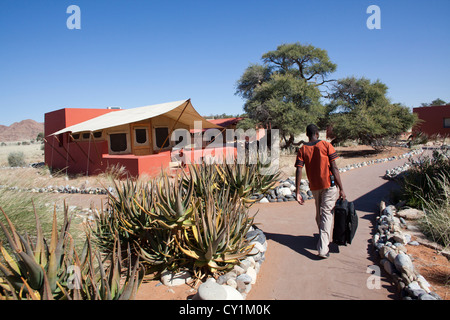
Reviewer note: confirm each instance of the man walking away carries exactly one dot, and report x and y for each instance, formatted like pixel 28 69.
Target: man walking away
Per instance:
pixel 319 158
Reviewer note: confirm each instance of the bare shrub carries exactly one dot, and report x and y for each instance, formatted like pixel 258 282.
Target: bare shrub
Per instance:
pixel 16 159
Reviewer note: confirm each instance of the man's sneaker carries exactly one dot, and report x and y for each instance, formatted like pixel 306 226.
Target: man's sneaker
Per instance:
pixel 324 256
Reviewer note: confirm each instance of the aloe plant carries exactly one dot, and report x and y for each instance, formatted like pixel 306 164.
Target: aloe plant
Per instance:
pixel 240 178
pixel 108 283
pixel 196 220
pixel 36 269
pixel 44 270
pixel 142 215
pixel 173 205
pixel 246 179
pixel 266 181
pixel 204 177
pixel 129 214
pixel 216 240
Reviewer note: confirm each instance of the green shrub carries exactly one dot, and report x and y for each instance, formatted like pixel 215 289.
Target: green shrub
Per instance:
pixel 436 223
pixel 427 186
pixel 419 138
pixel 16 159
pixel 422 182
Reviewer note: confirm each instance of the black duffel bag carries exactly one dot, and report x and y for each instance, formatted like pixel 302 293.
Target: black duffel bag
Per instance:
pixel 345 222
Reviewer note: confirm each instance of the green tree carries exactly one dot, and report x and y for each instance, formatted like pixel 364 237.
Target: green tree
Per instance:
pixel 360 110
pixel 40 136
pixel 435 102
pixel 284 92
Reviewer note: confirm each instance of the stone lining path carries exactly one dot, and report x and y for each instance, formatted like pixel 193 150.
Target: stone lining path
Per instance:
pixel 292 270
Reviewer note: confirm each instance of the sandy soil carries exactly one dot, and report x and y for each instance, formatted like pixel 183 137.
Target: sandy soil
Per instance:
pixel 434 267
pixel 155 290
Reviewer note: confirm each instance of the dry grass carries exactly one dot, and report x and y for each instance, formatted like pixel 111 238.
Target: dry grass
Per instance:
pixel 32 152
pixel 18 202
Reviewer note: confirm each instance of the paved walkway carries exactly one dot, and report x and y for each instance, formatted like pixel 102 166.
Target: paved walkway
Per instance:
pixel 292 271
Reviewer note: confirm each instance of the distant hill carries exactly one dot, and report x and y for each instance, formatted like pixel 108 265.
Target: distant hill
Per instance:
pixel 21 131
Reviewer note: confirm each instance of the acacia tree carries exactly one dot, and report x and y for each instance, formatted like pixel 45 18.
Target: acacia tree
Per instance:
pixel 435 102
pixel 360 110
pixel 284 92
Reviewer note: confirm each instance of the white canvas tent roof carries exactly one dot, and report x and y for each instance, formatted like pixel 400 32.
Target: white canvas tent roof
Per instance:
pixel 181 111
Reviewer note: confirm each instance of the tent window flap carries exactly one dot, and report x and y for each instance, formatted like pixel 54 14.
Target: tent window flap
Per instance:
pixel 161 134
pixel 118 142
pixel 141 135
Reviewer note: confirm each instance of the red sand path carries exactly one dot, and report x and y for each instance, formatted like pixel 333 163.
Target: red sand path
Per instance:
pixel 292 271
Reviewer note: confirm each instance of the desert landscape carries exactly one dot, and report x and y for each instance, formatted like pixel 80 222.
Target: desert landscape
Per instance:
pixel 21 137
pixel 29 186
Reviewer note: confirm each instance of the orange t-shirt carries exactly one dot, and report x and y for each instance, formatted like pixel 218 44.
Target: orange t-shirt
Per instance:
pixel 317 156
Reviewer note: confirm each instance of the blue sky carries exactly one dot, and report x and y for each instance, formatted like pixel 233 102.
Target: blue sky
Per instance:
pixel 136 53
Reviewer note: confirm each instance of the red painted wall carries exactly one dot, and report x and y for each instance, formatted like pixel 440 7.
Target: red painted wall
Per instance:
pixel 60 155
pixel 138 165
pixel 433 119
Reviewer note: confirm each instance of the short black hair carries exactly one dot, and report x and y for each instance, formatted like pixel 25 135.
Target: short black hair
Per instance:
pixel 311 129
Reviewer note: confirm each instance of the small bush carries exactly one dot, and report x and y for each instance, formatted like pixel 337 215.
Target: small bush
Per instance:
pixel 427 186
pixel 16 159
pixel 422 181
pixel 40 136
pixel 436 223
pixel 419 138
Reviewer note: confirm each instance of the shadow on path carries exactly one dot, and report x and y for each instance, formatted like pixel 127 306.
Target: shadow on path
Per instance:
pixel 369 205
pixel 304 245
pixel 370 201
pixel 366 206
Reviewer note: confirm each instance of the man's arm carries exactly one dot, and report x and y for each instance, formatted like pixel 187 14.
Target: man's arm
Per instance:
pixel 298 179
pixel 337 178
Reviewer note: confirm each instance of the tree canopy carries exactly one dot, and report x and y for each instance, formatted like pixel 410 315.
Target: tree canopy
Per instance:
pixel 284 92
pixel 360 110
pixel 304 61
pixel 435 102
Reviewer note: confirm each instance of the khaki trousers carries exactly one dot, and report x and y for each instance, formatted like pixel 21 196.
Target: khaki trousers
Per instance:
pixel 325 201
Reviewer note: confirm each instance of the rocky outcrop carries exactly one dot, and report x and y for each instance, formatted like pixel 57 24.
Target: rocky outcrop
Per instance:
pixel 21 131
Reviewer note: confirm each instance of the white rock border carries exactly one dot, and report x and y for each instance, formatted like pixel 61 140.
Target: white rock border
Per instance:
pixel 236 283
pixel 285 190
pixel 375 161
pixel 389 241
